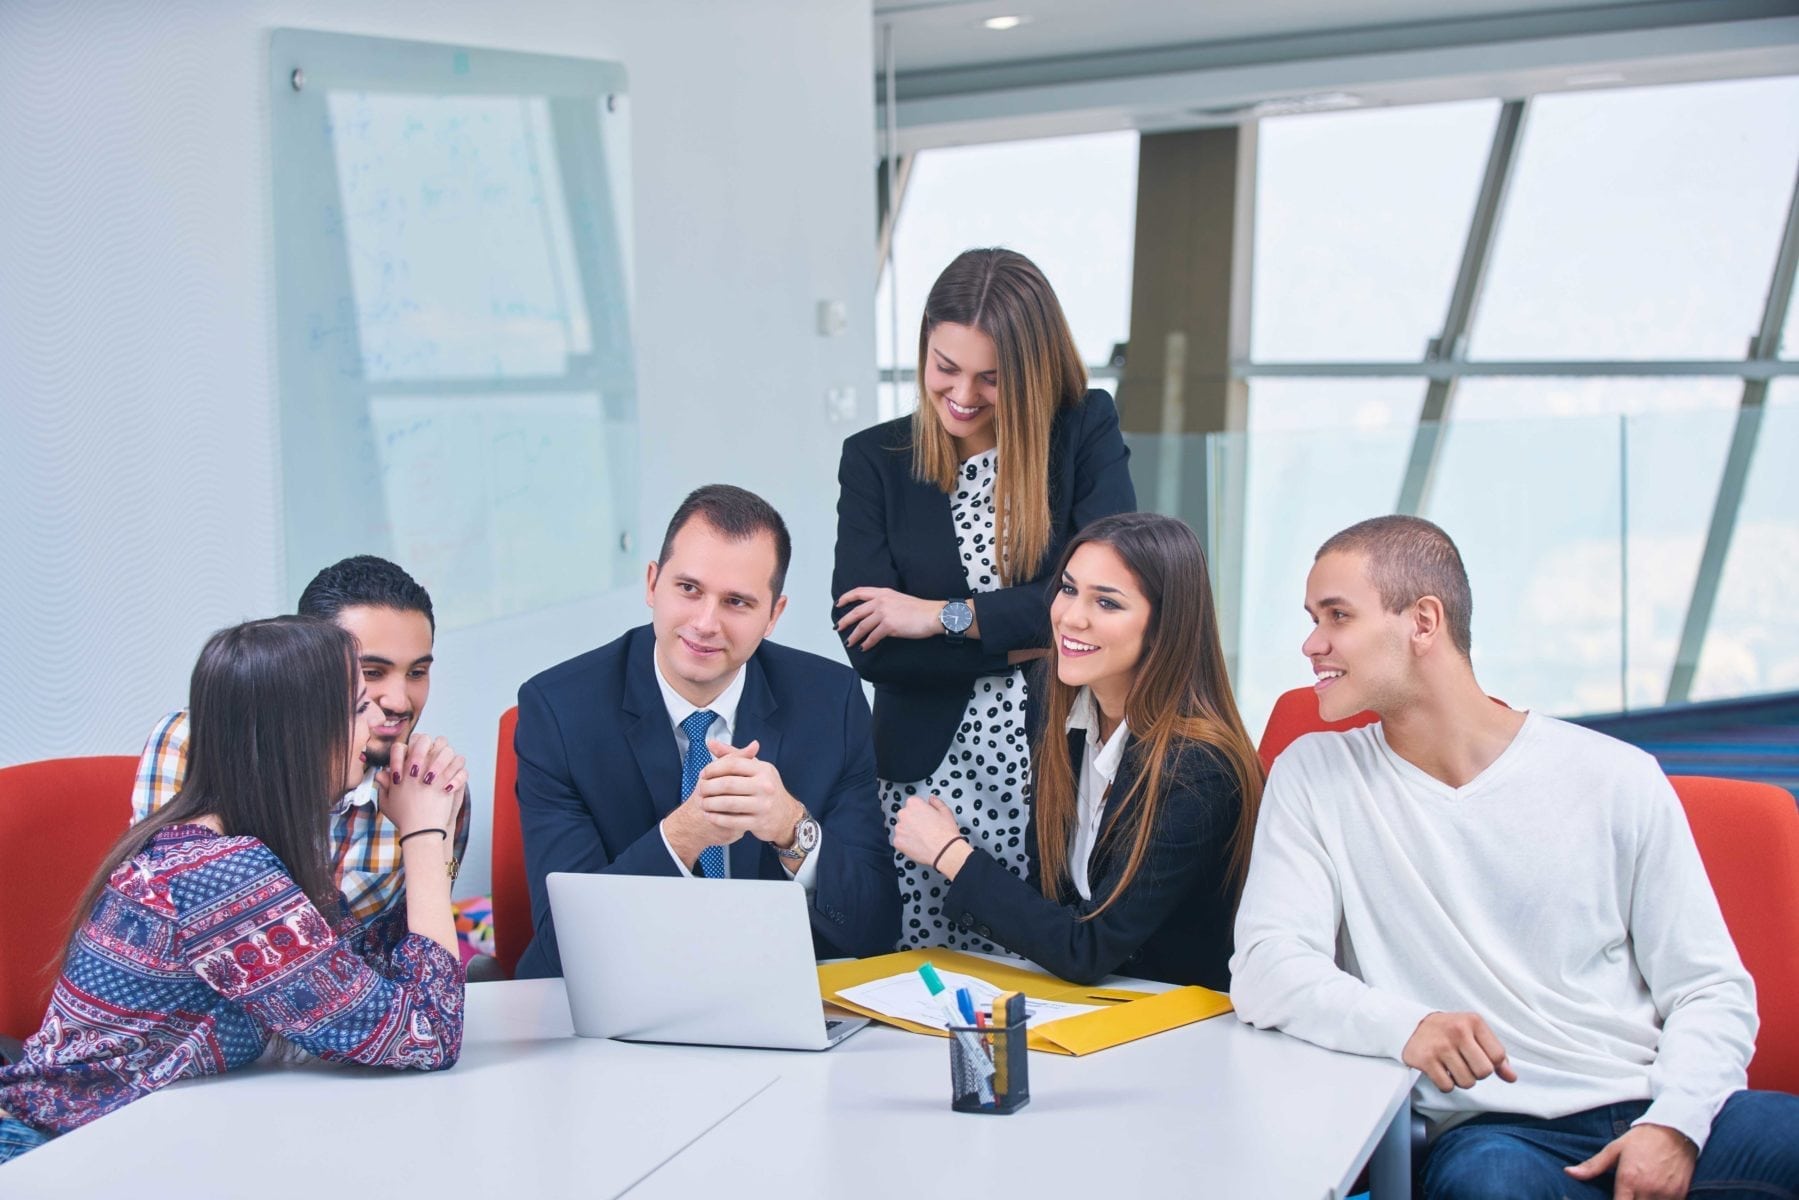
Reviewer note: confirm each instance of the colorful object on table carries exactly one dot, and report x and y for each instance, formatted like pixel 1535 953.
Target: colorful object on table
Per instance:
pixel 974 1058
pixel 474 926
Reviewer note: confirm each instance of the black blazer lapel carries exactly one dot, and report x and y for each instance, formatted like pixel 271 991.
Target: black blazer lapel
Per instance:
pixel 755 723
pixel 651 738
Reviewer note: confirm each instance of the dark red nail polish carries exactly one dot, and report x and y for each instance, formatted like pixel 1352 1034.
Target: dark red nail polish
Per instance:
pixel 414 772
pixel 363 755
pixel 430 775
pixel 449 787
pixel 396 775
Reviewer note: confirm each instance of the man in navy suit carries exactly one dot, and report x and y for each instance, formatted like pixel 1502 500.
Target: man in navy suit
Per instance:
pixel 691 746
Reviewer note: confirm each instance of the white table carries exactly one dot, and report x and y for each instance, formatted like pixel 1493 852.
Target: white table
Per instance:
pixel 563 1116
pixel 1211 1109
pixel 1215 1109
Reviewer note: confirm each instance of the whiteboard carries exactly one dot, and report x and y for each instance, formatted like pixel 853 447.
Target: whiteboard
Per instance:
pixel 457 381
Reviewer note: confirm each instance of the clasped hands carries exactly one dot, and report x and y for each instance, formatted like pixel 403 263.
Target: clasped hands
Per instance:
pixel 1458 1050
pixel 737 793
pixel 423 786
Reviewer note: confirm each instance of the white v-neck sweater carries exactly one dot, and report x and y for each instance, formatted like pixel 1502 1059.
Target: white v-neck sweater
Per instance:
pixel 1559 895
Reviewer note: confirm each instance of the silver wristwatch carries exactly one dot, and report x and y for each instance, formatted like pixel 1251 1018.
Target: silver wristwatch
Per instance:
pixel 956 616
pixel 805 838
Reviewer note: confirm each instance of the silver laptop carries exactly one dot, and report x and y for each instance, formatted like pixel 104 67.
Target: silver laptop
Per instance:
pixel 710 962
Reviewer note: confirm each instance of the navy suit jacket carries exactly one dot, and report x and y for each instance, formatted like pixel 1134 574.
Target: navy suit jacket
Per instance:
pixel 598 770
pixel 896 532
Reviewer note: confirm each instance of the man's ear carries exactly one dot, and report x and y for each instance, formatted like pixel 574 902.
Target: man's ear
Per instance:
pixel 649 586
pixel 774 614
pixel 1427 623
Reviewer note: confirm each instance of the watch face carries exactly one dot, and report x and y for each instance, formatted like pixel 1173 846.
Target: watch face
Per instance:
pixel 805 835
pixel 957 616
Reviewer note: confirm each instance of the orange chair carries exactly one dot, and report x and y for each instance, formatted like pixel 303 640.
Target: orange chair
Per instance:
pixel 1295 715
pixel 1748 836
pixel 58 818
pixel 511 898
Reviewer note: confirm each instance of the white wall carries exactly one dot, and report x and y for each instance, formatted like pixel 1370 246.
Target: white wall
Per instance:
pixel 139 494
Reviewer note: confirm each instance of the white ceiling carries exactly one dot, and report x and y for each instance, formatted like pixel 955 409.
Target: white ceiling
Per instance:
pixel 1081 66
pixel 933 34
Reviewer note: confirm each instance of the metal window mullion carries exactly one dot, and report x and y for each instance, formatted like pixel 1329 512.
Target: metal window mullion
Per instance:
pixel 890 186
pixel 1763 348
pixel 1464 298
pixel 1729 368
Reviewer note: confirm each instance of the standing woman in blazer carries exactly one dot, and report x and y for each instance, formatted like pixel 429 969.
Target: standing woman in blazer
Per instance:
pixel 1147 784
pixel 947 524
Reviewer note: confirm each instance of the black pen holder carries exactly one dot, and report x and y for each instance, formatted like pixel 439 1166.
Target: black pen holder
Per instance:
pixel 989 1069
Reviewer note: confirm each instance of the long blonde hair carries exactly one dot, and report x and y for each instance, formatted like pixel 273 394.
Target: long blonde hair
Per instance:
pixel 1004 295
pixel 1179 700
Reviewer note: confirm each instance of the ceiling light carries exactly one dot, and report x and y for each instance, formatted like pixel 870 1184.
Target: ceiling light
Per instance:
pixel 1004 22
pixel 1595 79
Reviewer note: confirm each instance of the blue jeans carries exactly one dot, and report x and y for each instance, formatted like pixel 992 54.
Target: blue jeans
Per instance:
pixel 1752 1152
pixel 16 1137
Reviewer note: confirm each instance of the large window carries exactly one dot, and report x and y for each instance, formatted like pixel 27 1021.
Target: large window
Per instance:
pixel 1068 204
pixel 1535 323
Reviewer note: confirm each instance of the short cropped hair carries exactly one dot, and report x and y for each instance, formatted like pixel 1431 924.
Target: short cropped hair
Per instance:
pixel 739 515
pixel 1410 558
pixel 364 581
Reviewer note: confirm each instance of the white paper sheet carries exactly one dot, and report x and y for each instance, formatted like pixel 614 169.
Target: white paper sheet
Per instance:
pixel 905 997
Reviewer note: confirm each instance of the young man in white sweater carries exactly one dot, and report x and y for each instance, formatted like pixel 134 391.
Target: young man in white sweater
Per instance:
pixel 1508 903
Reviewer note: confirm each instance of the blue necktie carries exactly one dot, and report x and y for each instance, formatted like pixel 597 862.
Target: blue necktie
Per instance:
pixel 712 858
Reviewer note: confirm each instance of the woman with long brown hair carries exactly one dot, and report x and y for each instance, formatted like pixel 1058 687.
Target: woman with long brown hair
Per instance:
pixel 947 524
pixel 1146 783
pixel 215 924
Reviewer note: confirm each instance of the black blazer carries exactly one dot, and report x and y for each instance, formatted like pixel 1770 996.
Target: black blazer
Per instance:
pixel 598 770
pixel 894 531
pixel 1174 922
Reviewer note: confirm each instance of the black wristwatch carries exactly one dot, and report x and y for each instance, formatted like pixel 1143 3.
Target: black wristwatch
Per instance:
pixel 956 616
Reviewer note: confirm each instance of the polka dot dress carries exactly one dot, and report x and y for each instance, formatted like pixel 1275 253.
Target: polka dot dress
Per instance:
pixel 985 773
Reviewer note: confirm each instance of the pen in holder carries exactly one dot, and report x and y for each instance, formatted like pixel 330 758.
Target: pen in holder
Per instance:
pixel 989 1066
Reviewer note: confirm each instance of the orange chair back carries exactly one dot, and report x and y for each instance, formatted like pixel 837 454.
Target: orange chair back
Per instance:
pixel 511 898
pixel 1748 836
pixel 1295 715
pixel 58 818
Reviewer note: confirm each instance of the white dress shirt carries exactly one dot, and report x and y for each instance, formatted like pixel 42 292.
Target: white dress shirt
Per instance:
pixel 1099 765
pixel 724 723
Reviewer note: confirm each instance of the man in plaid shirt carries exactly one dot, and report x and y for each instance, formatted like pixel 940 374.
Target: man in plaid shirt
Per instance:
pixel 390 616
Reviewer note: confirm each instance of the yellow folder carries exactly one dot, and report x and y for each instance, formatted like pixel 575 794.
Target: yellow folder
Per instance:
pixel 1129 1015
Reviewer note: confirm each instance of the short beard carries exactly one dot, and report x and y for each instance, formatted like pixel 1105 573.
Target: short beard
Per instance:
pixel 378 756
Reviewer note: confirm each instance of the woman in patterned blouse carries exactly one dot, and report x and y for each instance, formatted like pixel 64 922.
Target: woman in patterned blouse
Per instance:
pixel 214 926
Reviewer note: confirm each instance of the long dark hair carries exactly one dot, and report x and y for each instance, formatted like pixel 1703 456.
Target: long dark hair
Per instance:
pixel 270 707
pixel 1005 296
pixel 1179 697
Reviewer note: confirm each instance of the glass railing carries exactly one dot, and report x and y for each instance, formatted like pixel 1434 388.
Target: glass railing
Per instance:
pixel 1584 538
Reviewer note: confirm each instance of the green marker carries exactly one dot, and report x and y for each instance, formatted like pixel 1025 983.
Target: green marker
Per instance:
pixel 971 1042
